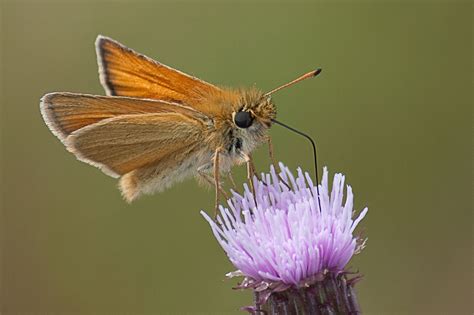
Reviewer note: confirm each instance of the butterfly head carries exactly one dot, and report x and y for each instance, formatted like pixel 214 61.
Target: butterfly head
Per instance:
pixel 254 111
pixel 251 117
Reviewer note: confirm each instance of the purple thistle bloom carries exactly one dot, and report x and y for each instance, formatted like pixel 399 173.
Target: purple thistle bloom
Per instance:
pixel 284 239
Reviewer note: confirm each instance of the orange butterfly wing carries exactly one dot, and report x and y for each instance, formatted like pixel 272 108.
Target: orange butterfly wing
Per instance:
pixel 120 134
pixel 65 113
pixel 125 143
pixel 125 72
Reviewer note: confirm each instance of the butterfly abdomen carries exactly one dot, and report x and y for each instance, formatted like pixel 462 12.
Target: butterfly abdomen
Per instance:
pixel 163 174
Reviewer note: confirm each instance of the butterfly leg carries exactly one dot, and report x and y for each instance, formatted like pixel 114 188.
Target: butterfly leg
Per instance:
pixel 253 170
pixel 213 180
pixel 231 179
pixel 250 174
pixel 270 152
pixel 209 179
pixel 217 180
pixel 274 163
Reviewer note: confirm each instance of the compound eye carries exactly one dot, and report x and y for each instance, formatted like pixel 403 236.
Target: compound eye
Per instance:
pixel 243 119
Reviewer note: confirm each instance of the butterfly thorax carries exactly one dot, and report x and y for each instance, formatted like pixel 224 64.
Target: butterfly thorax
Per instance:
pixel 237 141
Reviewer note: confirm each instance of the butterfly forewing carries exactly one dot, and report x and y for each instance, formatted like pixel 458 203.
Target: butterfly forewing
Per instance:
pixel 127 73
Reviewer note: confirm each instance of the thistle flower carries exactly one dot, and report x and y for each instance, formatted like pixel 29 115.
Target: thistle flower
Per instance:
pixel 281 241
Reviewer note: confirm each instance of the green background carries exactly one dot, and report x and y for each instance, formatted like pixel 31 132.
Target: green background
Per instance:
pixel 391 110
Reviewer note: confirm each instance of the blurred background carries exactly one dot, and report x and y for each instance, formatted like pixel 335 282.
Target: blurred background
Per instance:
pixel 391 110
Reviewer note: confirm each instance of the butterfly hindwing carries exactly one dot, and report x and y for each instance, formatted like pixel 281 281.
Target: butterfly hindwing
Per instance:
pixel 122 144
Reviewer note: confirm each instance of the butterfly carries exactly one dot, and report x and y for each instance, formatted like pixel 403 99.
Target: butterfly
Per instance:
pixel 157 126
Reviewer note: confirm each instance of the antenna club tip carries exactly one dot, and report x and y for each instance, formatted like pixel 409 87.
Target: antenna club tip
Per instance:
pixel 317 71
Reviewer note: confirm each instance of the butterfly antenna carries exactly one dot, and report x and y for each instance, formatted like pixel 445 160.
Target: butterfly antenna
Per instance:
pixel 308 75
pixel 314 153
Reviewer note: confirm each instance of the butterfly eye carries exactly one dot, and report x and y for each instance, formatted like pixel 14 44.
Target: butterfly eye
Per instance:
pixel 243 119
